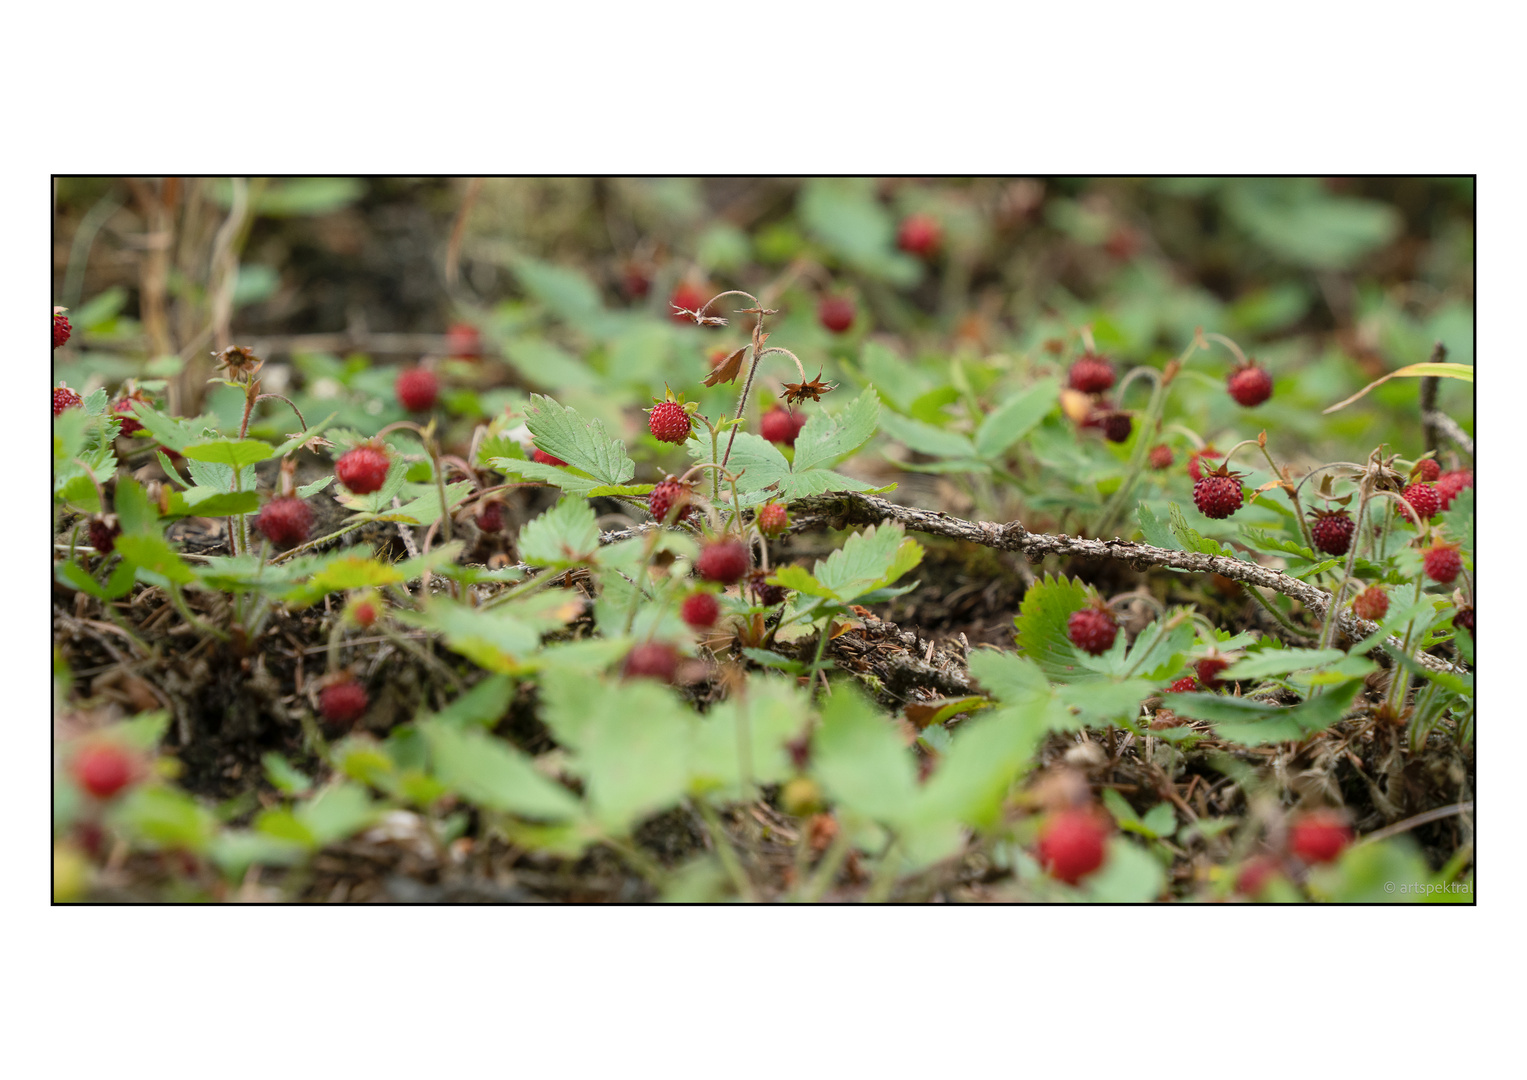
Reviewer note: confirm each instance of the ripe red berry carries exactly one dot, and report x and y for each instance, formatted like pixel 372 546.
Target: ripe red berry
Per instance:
pixel 343 702
pixel 490 516
pixel 1208 668
pixel 364 613
pixel 1372 603
pixel 688 296
pixel 700 610
pixel 1117 426
pixel 1428 470
pixel 285 521
pixel 103 769
pixel 1256 874
pixel 1185 685
pixel 417 389
pixel 1218 494
pixel 1092 629
pixel 61 328
pixel 1449 484
pixel 669 422
pixel 1250 385
pixel 766 594
pixel 919 235
pixel 1423 499
pixel 1071 845
pixel 652 660
pixel 634 281
pixel 1442 562
pixel 463 342
pixel 1332 531
pixel 124 409
pixel 546 459
pixel 779 426
pixel 836 313
pixel 1161 456
pixel 103 535
pixel 1091 374
pixel 1319 837
pixel 666 495
pixel 724 561
pixel 1194 468
pixel 773 519
pixel 64 398
pixel 1463 619
pixel 363 469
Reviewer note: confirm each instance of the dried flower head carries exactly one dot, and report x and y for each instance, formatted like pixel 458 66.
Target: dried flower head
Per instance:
pixel 238 361
pixel 814 390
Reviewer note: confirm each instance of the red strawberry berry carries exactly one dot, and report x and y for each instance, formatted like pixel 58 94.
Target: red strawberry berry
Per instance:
pixel 103 534
pixel 634 281
pixel 124 409
pixel 417 389
pixel 463 342
pixel 1332 531
pixel 1423 499
pixel 1463 619
pixel 724 561
pixel 1208 668
pixel 666 495
pixel 669 422
pixel 1093 629
pixel 1194 469
pixel 1319 837
pixel 688 296
pixel 773 519
pixel 364 613
pixel 1428 470
pixel 1185 685
pixel 546 459
pixel 1449 484
pixel 700 610
pixel 1071 845
pixel 1372 603
pixel 766 594
pixel 103 769
pixel 64 398
pixel 1256 874
pixel 490 516
pixel 1250 385
pixel 779 426
pixel 1218 494
pixel 1091 374
pixel 1161 456
pixel 919 235
pixel 1442 562
pixel 343 702
pixel 364 469
pixel 285 521
pixel 1117 426
pixel 651 660
pixel 61 327
pixel 836 313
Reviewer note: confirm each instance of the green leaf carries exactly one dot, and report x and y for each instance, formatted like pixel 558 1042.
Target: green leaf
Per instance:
pixel 858 757
pixel 496 639
pixel 1279 662
pixel 1041 624
pixel 485 704
pixel 583 444
pixel 989 753
pixel 164 817
pixel 491 773
pixel 927 439
pixel 1191 539
pixel 283 775
pixel 153 554
pixel 204 502
pixel 235 453
pixel 1010 678
pixel 825 439
pixel 168 430
pixel 348 572
pixel 1129 875
pixel 566 535
pixel 236 850
pixel 308 490
pixel 135 514
pixel 867 561
pixel 847 218
pixel 566 292
pixel 1255 723
pixel 339 811
pixel 1016 417
pixel 1103 701
pixel 1154 531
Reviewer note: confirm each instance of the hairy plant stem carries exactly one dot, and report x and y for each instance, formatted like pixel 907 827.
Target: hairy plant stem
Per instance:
pixel 1278 616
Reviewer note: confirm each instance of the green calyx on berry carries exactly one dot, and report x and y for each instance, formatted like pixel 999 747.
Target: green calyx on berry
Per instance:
pixel 668 420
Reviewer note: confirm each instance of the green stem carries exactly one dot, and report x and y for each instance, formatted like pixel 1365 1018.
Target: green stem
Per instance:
pixel 885 875
pixel 1278 616
pixel 1137 459
pixel 195 620
pixel 725 851
pixel 832 862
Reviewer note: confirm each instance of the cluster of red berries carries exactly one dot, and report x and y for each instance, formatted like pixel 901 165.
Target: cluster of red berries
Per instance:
pixel 1072 845
pixel 1449 484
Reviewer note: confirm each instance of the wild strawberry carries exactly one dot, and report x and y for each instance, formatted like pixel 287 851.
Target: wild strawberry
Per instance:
pixel 1372 603
pixel 767 595
pixel 1250 385
pixel 1256 874
pixel 1218 494
pixel 124 409
pixel 64 398
pixel 666 495
pixel 1427 470
pixel 1091 374
pixel 1463 619
pixel 285 521
pixel 1442 562
pixel 104 531
pixel 343 702
pixel 364 612
pixel 773 519
pixel 1423 499
pixel 417 389
pixel 1117 426
pixel 1449 484
pixel 1161 456
pixel 363 469
pixel 1319 837
pixel 1185 685
pixel 1208 668
pixel 61 327
pixel 919 235
pixel 669 422
pixel 724 561
pixel 634 280
pixel 1071 845
pixel 463 342
pixel 836 313
pixel 1093 628
pixel 651 660
pixel 779 426
pixel 700 610
pixel 103 769
pixel 688 296
pixel 1332 531
pixel 546 459
pixel 490 516
pixel 1194 468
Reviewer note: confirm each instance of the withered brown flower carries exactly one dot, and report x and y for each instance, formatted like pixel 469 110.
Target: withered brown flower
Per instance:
pixel 814 390
pixel 238 361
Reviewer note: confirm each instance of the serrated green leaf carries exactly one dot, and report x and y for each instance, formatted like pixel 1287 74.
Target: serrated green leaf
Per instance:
pixel 631 491
pixel 489 772
pixel 826 440
pixel 235 453
pixel 569 480
pixel 204 502
pixel 1154 531
pixel 1279 662
pixel 860 761
pixel 867 561
pixel 566 535
pixel 1041 625
pixel 1255 723
pixel 305 491
pixel 926 438
pixel 168 430
pixel 1191 539
pixel 583 444
pixel 135 514
pixel 153 554
pixel 1016 417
